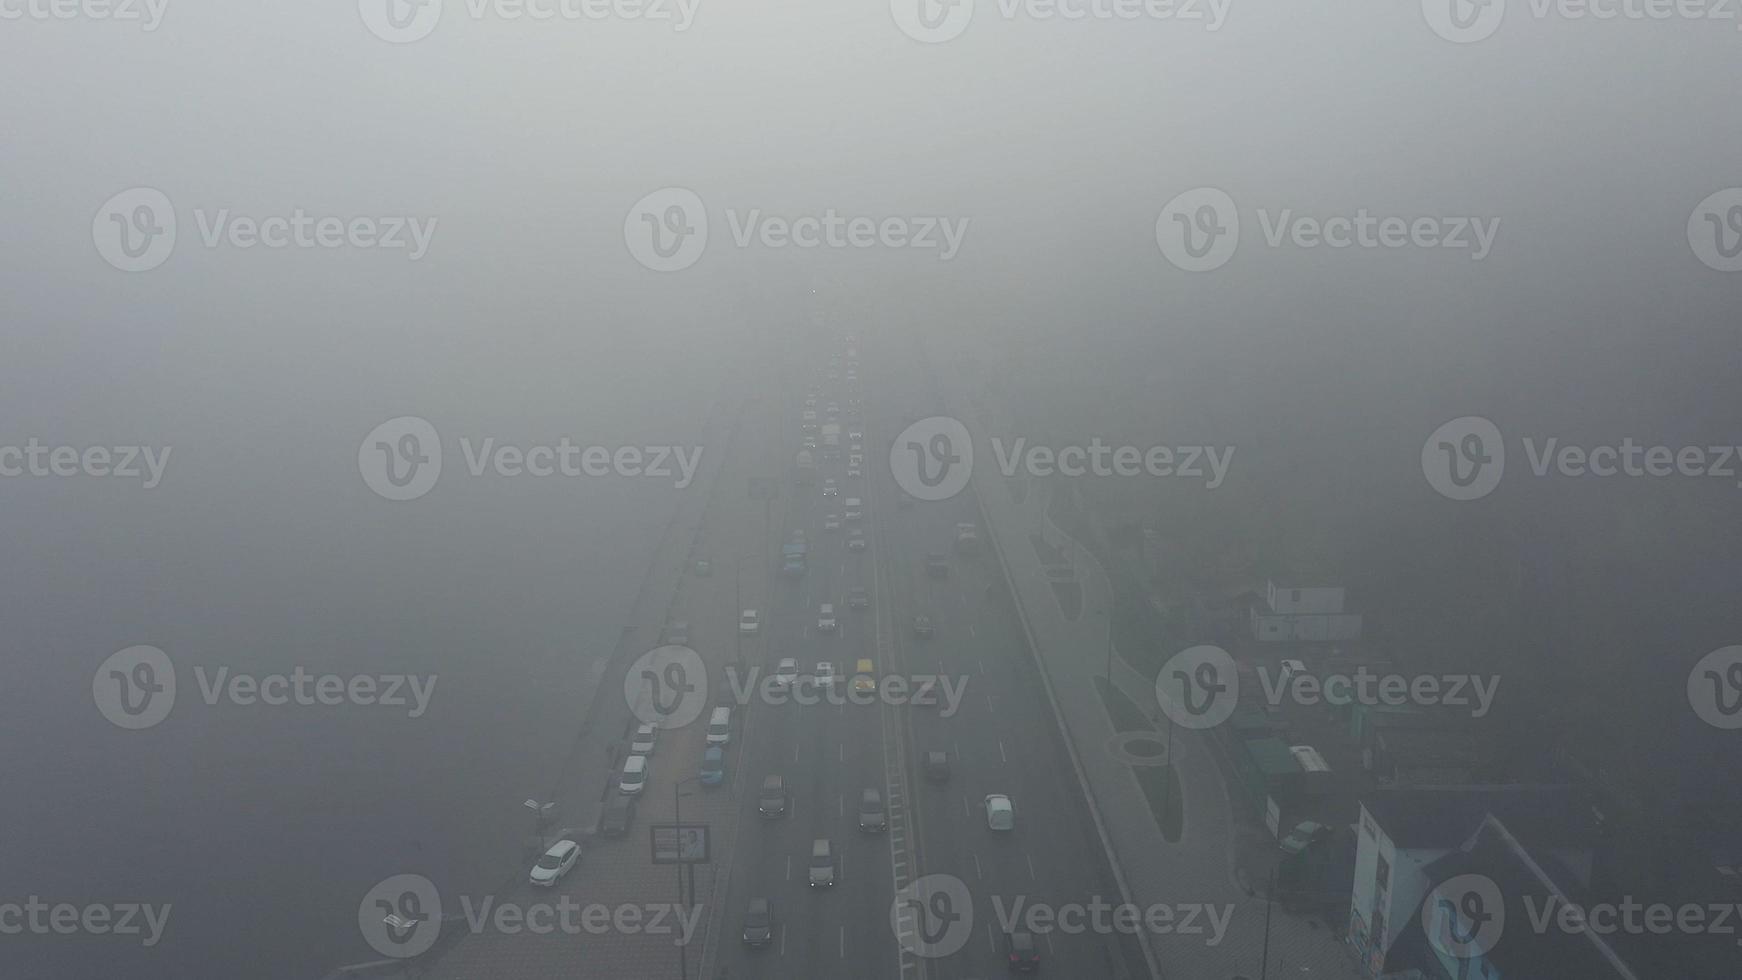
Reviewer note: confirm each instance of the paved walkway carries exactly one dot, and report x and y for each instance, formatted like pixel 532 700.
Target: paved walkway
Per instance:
pixel 1198 868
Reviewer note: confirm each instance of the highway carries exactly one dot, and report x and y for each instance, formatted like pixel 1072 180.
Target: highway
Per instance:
pixel 1001 737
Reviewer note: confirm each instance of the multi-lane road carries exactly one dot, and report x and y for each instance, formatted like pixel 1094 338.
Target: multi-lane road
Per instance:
pixel 991 716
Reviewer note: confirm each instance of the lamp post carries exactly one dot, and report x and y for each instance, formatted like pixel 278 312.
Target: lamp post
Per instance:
pixel 677 795
pixel 1269 900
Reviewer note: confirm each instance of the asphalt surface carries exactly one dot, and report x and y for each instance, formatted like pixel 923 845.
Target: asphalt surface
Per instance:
pixel 1001 736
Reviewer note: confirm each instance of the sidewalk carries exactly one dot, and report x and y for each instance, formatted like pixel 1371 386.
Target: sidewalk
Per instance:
pixel 1197 869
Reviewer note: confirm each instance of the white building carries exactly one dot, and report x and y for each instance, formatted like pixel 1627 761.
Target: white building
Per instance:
pixel 1308 615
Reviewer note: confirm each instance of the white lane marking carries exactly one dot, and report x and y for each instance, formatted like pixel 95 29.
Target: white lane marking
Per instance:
pixel 843 748
pixel 783 940
pixel 1031 873
pixel 1002 755
pixel 971 631
pixel 979 872
pixel 991 940
pixel 1046 937
pixel 789 867
pixel 841 804
pixel 843 942
pixel 795 747
pixel 967 811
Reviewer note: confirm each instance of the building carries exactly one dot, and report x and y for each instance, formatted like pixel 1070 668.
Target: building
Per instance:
pixel 1404 832
pixel 1303 615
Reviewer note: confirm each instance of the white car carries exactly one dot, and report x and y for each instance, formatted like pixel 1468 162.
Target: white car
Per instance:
pixel 810 415
pixel 826 618
pixel 643 742
pixel 825 675
pixel 1000 814
pixel 1292 669
pixel 855 509
pixel 855 459
pixel 830 490
pixel 856 540
pixel 749 624
pixel 557 861
pixel 786 673
pixel 832 522
pixel 855 436
pixel 855 472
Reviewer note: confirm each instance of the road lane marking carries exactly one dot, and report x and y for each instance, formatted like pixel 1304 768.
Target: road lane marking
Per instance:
pixel 979 872
pixel 1002 755
pixel 1030 859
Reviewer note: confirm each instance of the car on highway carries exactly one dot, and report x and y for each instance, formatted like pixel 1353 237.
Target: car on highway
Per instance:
pixel 758 922
pixel 810 415
pixel 855 458
pixel 785 674
pixel 810 442
pixel 831 522
pixel 676 633
pixel 829 488
pixel 1000 813
pixel 922 625
pixel 1024 955
pixel 619 816
pixel 833 409
pixel 863 681
pixel 645 738
pixel 771 800
pixel 1292 669
pixel 937 766
pixel 855 509
pixel 749 623
pixel 825 675
pixel 634 777
pixel 858 598
pixel 872 817
pixel 826 617
pixel 856 540
pixel 854 472
pixel 822 863
pixel 555 863
pixel 713 766
pixel 937 565
pixel 855 435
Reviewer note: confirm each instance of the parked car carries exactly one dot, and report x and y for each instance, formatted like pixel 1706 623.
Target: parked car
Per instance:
pixel 1000 813
pixel 1304 833
pixel 555 863
pixel 713 766
pixel 646 736
pixel 676 633
pixel 618 818
pixel 634 777
pixel 771 801
pixel 758 922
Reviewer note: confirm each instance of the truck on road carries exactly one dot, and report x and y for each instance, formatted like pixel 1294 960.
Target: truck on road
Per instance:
pixel 793 557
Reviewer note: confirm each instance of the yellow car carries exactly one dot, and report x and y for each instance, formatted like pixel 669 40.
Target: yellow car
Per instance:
pixel 863 682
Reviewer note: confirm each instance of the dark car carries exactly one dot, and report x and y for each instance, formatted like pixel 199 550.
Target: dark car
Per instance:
pixel 937 566
pixel 937 767
pixel 1024 957
pixel 858 598
pixel 758 923
pixel 772 802
pixel 871 814
pixel 619 817
pixel 922 625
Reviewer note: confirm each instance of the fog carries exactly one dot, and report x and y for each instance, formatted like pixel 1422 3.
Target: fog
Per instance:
pixel 524 146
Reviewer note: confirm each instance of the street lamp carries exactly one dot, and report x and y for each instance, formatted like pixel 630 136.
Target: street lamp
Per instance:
pixel 677 795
